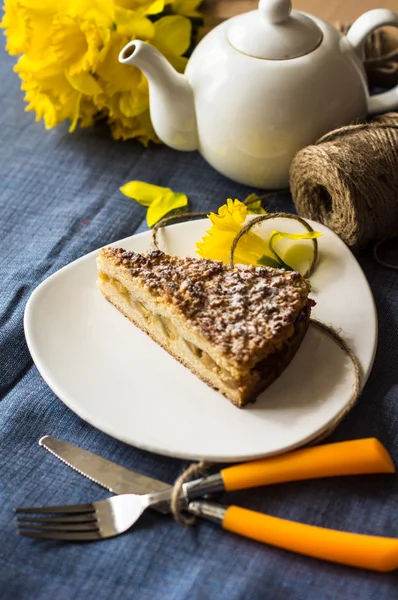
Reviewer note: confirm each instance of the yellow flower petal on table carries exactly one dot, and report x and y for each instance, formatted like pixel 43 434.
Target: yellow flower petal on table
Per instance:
pixel 225 225
pixel 142 192
pixel 159 200
pixel 164 204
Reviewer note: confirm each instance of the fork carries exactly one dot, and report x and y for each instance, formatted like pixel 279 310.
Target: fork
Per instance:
pixel 111 517
pixel 86 522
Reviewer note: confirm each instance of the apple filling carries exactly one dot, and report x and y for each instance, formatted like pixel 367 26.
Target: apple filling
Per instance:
pixel 169 330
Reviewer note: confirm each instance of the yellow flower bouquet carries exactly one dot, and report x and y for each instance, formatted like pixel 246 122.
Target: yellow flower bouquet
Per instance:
pixel 68 53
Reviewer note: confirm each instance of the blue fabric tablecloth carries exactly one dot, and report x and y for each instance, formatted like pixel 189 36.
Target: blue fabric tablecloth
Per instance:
pixel 59 199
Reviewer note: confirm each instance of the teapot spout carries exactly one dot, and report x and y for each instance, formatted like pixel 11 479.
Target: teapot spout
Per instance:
pixel 172 105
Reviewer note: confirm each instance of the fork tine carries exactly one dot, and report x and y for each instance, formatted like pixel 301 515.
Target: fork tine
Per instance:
pixel 68 508
pixel 72 536
pixel 59 526
pixel 84 518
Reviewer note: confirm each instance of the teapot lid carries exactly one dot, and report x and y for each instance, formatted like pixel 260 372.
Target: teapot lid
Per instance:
pixel 274 32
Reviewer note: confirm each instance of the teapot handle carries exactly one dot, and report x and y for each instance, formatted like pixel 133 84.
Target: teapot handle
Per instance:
pixel 357 34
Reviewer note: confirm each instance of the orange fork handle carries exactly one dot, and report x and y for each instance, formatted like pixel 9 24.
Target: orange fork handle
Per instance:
pixel 356 550
pixel 342 458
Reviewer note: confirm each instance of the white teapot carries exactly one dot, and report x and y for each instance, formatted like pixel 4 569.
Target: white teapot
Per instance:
pixel 260 86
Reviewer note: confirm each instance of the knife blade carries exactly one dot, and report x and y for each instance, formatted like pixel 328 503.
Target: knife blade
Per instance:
pixel 353 457
pixel 110 475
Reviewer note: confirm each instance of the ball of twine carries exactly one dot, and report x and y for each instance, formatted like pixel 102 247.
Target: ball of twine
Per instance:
pixel 348 180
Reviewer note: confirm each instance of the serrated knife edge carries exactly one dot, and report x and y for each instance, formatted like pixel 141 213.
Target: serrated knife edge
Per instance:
pixel 124 480
pixel 41 443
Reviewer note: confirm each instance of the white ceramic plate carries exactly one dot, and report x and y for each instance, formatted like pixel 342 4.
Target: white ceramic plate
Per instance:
pixel 116 378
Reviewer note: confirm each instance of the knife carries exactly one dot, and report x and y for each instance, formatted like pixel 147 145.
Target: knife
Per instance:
pixel 110 475
pixel 341 458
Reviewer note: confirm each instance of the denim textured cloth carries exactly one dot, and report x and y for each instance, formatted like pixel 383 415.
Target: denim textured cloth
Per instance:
pixel 59 199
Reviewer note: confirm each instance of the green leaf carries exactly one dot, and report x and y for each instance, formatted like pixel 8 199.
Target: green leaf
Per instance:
pixel 254 206
pixel 267 261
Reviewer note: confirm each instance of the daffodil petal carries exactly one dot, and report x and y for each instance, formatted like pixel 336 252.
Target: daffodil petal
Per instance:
pixel 84 83
pixel 155 8
pixel 309 235
pixel 225 225
pixel 278 235
pixel 164 204
pixel 144 193
pixel 173 35
pixel 76 115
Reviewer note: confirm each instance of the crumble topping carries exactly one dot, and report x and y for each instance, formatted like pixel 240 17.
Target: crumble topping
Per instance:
pixel 238 310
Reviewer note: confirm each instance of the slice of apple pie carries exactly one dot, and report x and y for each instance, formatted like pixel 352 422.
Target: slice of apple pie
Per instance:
pixel 237 329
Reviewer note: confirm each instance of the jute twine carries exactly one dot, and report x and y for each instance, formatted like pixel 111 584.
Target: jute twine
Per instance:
pixel 348 180
pixel 196 469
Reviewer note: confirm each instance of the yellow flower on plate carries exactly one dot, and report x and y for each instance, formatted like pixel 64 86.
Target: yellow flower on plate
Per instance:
pixel 251 248
pixel 158 200
pixel 225 225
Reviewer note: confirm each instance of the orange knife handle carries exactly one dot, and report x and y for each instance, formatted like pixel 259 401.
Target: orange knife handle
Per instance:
pixel 342 458
pixel 356 550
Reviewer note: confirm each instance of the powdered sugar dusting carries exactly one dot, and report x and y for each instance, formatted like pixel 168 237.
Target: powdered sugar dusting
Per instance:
pixel 239 310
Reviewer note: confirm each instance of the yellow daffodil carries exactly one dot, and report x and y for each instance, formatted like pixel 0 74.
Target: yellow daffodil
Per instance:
pixel 79 44
pixel 69 58
pixel 225 225
pixel 158 200
pixel 251 249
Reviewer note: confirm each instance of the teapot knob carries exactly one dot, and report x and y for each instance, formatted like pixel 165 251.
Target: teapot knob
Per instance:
pixel 275 11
